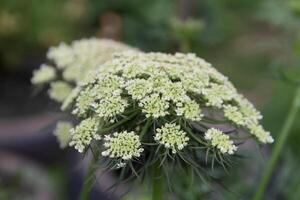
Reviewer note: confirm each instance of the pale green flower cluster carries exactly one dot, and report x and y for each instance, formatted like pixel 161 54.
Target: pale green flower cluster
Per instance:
pixel 62 133
pixel 59 90
pixel 153 81
pixel 124 145
pixel 108 108
pixel 220 140
pixel 44 74
pixel 172 137
pixel 154 106
pixel 82 56
pixel 190 109
pixel 262 135
pixel 245 115
pixel 75 63
pixel 83 134
pixel 217 94
pixel 139 88
pixel 163 86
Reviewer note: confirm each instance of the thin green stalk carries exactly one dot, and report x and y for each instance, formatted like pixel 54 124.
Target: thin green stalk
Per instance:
pixel 89 179
pixel 185 46
pixel 119 123
pixel 146 127
pixel 157 184
pixel 279 145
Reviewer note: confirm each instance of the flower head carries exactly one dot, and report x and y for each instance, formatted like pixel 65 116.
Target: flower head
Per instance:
pixel 172 137
pixel 62 133
pixel 44 74
pixel 217 94
pixel 171 100
pixel 83 134
pixel 161 86
pixel 108 108
pixel 62 55
pixel 234 114
pixel 259 132
pixel 124 145
pixel 220 140
pixel 74 64
pixel 139 88
pixel 154 106
pixel 82 56
pixel 59 90
pixel 190 110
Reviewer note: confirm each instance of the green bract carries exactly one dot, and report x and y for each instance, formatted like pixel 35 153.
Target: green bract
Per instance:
pixel 161 102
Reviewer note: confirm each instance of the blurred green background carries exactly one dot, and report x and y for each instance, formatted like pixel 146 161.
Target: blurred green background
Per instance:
pixel 252 42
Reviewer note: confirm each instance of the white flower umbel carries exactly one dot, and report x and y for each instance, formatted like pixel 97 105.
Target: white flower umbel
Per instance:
pixel 44 74
pixel 62 55
pixel 259 132
pixel 74 64
pixel 217 94
pixel 250 113
pixel 220 140
pixel 139 88
pixel 59 90
pixel 76 60
pixel 190 110
pixel 84 102
pixel 83 134
pixel 150 93
pixel 124 145
pixel 172 137
pixel 62 133
pixel 154 106
pixel 234 114
pixel 108 108
pixel 162 85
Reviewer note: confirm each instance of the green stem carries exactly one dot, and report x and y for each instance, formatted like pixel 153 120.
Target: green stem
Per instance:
pixel 192 134
pixel 185 46
pixel 279 145
pixel 146 127
pixel 119 123
pixel 89 179
pixel 157 184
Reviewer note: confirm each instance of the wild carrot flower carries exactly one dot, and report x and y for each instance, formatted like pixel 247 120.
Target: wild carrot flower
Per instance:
pixel 169 97
pixel 124 145
pixel 171 137
pixel 141 106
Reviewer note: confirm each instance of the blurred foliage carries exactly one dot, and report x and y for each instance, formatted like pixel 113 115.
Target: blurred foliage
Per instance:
pixel 27 27
pixel 186 32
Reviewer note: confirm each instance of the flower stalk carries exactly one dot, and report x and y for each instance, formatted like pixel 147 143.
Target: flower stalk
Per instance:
pixel 279 145
pixel 89 179
pixel 157 183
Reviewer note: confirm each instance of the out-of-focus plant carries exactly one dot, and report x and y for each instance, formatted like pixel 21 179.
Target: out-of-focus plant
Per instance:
pixel 186 32
pixel 35 25
pixel 283 135
pixel 73 63
pixel 289 76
